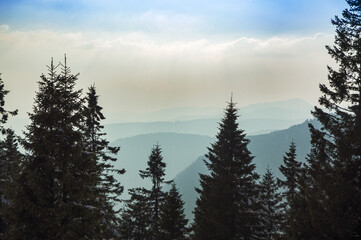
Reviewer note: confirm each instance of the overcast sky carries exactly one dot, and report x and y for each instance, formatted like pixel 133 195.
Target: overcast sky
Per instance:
pixel 146 55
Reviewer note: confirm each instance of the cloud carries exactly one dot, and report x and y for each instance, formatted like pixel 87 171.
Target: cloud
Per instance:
pixel 4 28
pixel 155 73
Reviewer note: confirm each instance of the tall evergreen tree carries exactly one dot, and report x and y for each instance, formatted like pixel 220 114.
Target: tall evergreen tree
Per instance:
pixel 155 172
pixel 173 224
pixel 104 189
pixel 143 209
pixel 271 200
pixel 291 170
pixel 227 207
pixel 341 130
pixel 53 197
pixel 9 158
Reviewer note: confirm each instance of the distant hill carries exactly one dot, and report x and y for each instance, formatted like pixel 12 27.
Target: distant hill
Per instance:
pixel 268 150
pixel 207 127
pixel 255 119
pixel 179 151
pixel 286 109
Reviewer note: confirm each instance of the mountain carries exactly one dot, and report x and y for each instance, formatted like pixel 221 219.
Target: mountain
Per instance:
pixel 207 127
pixel 287 109
pixel 255 119
pixel 179 150
pixel 268 150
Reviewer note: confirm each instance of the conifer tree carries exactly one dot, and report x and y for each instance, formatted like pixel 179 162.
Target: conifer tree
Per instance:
pixel 291 170
pixel 104 189
pixel 340 116
pixel 143 209
pixel 227 207
pixel 52 201
pixel 271 200
pixel 173 224
pixel 136 217
pixel 9 158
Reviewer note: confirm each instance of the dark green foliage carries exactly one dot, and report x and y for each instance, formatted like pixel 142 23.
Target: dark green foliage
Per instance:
pixel 136 217
pixel 64 189
pixel 142 213
pixel 227 207
pixel 173 224
pixel 9 159
pixel 271 200
pixel 291 170
pixel 336 155
pixel 9 168
pixel 103 188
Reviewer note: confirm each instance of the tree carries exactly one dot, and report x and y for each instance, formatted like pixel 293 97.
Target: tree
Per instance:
pixel 340 116
pixel 104 188
pixel 173 224
pixel 53 197
pixel 291 170
pixel 271 199
pixel 227 207
pixel 9 158
pixel 143 209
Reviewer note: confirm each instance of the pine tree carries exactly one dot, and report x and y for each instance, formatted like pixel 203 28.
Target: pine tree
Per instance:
pixel 143 209
pixel 291 170
pixel 104 188
pixel 136 217
pixel 271 199
pixel 227 207
pixel 52 201
pixel 173 224
pixel 9 158
pixel 316 187
pixel 341 131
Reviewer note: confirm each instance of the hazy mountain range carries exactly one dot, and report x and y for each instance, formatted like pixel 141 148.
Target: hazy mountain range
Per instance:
pixel 254 119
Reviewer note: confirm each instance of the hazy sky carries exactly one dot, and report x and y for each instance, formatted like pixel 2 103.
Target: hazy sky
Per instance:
pixel 145 55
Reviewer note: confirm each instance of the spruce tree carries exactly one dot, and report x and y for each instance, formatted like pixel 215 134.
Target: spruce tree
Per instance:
pixel 136 217
pixel 271 200
pixel 53 197
pixel 291 170
pixel 143 209
pixel 104 189
pixel 9 158
pixel 227 206
pixel 340 116
pixel 173 224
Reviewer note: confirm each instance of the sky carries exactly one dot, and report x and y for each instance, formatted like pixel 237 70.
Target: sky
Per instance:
pixel 147 55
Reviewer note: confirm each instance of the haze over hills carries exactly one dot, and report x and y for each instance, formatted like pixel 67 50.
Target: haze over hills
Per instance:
pixel 254 119
pixel 268 150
